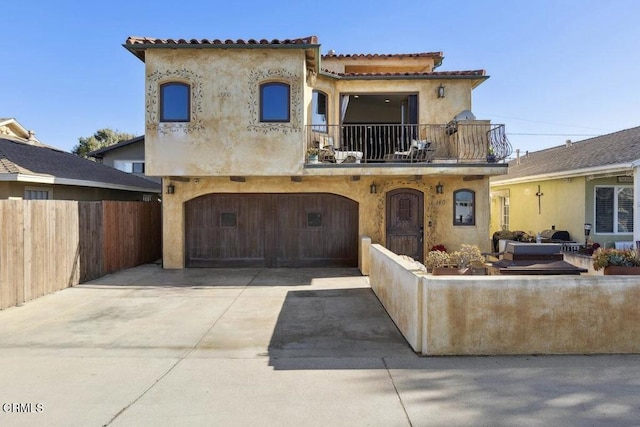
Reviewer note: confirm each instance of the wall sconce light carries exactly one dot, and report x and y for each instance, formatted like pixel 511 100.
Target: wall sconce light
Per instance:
pixel 372 188
pixel 439 188
pixel 441 91
pixel 171 188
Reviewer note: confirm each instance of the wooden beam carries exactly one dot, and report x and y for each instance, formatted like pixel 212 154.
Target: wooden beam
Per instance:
pixel 238 178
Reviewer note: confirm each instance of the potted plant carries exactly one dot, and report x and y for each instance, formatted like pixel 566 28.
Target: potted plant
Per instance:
pixel 616 261
pixel 463 261
pixel 491 156
pixel 312 154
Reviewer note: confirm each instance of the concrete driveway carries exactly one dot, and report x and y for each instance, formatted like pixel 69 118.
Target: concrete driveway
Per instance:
pixel 273 347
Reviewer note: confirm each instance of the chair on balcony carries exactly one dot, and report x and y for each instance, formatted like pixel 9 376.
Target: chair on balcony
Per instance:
pixel 329 154
pixel 420 151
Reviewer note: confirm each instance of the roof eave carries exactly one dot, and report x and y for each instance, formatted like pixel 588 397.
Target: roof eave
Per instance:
pixel 479 79
pixel 139 49
pixel 49 179
pixel 620 167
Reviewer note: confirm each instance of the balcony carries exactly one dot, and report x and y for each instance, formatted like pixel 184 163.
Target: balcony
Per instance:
pixel 456 142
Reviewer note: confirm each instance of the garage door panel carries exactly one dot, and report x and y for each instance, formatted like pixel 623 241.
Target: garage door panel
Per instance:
pixel 317 229
pixel 224 230
pixel 272 230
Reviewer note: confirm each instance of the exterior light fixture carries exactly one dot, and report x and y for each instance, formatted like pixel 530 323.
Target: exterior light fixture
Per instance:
pixel 387 101
pixel 439 188
pixel 372 188
pixel 171 188
pixel 440 91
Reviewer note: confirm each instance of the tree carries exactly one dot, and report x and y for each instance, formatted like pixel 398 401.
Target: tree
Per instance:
pixel 100 139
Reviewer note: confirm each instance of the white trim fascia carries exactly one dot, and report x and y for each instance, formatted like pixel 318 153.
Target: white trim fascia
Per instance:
pixel 48 179
pixel 621 167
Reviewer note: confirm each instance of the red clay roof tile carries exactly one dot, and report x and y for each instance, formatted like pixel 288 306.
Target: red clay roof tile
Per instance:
pixel 379 55
pixel 433 73
pixel 150 40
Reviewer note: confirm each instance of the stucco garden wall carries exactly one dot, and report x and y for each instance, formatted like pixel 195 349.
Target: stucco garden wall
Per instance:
pixel 483 315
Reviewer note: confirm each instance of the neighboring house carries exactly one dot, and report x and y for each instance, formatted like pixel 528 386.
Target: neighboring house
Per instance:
pixel 127 156
pixel 32 170
pixel 586 182
pixel 233 128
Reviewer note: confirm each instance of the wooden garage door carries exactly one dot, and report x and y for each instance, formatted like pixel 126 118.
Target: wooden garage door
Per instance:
pixel 271 230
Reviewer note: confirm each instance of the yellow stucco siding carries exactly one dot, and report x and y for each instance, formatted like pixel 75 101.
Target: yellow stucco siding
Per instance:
pixel 225 135
pixel 372 207
pixel 562 204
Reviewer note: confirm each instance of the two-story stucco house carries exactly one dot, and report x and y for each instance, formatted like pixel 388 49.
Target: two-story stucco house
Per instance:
pixel 234 127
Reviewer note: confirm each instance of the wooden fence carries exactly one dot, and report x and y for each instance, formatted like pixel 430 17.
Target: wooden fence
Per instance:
pixel 48 245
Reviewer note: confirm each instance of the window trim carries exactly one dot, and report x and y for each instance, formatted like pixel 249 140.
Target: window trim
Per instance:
pixel 49 191
pixel 473 208
pixel 616 223
pixel 163 119
pixel 275 83
pixel 128 164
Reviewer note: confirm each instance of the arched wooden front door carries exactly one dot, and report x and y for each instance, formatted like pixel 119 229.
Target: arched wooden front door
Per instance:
pixel 405 222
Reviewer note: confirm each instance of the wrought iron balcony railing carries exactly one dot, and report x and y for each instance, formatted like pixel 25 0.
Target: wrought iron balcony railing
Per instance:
pixel 455 142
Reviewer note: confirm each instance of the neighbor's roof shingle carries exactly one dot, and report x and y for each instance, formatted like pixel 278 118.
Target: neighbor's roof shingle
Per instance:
pixel 18 157
pixel 617 148
pixel 154 41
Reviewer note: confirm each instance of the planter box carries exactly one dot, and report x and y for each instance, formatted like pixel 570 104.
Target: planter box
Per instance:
pixel 616 270
pixel 446 271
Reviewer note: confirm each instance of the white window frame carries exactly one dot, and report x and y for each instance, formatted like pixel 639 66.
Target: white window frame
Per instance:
pixel 504 212
pixel 616 189
pixel 48 190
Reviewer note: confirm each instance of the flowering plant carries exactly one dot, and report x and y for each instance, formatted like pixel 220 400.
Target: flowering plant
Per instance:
pixel 437 258
pixel 620 257
pixel 467 256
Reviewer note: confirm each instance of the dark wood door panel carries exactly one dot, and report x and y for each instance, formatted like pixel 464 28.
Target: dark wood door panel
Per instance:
pixel 226 230
pixel 271 230
pixel 317 230
pixel 405 222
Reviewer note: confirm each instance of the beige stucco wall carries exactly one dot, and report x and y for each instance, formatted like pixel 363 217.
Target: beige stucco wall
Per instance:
pixel 483 315
pixel 372 207
pixel 562 205
pixel 225 135
pixel 530 315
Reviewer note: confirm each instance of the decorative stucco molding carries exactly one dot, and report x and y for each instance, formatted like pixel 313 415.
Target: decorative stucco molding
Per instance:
pixel 275 74
pixel 154 80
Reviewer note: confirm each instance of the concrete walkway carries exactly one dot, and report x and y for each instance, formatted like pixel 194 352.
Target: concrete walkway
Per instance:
pixel 298 347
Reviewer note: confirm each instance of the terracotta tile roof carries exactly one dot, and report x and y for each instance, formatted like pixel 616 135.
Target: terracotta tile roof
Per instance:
pixel 154 41
pixel 18 157
pixel 618 148
pixel 470 73
pixel 381 55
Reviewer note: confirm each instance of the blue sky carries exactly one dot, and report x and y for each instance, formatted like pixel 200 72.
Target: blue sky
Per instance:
pixel 560 69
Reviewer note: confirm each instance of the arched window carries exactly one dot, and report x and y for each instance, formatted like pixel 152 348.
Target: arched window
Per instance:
pixel 464 207
pixel 175 102
pixel 275 102
pixel 319 113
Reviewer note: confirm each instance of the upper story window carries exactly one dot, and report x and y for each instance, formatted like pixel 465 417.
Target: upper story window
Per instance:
pixel 614 209
pixel 464 209
pixel 275 102
pixel 175 102
pixel 319 113
pixel 129 166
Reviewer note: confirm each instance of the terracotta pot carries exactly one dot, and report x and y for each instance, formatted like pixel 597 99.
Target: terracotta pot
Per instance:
pixel 617 270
